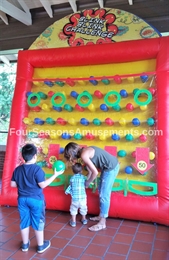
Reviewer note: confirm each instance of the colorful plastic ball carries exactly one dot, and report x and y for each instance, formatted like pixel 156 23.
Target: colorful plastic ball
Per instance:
pixel 150 121
pixel 130 107
pixel 49 83
pixel 59 109
pixel 128 170
pixel 50 121
pixel 102 137
pixel 53 136
pixel 133 154
pixel 70 82
pixel 79 108
pixel 143 108
pixel 122 153
pixel 117 79
pixel 61 121
pixel 129 137
pixel 58 166
pixel 66 136
pixel 103 107
pixel 135 90
pixel 78 136
pixel 89 136
pixel 91 107
pixel 45 150
pixel 93 81
pixel 84 121
pixel 122 121
pixel 115 137
pixel 74 94
pixel 39 121
pixel 144 78
pixel 143 138
pixel 116 108
pixel 68 107
pixel 72 121
pixel 109 121
pixel 151 155
pixel 130 79
pixel 96 121
pixel 152 91
pixel 36 109
pixel 98 94
pixel 123 93
pixel 136 122
pixel 51 93
pixel 105 81
pixel 29 93
pixel 61 150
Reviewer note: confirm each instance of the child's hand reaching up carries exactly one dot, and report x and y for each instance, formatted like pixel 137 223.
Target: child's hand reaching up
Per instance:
pixel 57 173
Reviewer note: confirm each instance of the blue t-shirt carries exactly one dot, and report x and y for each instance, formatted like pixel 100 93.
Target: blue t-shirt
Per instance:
pixel 27 177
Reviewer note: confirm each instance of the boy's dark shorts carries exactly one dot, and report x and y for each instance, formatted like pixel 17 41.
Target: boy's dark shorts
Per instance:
pixel 32 213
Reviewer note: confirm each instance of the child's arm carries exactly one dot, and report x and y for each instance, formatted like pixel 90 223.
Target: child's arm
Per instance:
pixel 89 173
pixel 13 184
pixel 48 181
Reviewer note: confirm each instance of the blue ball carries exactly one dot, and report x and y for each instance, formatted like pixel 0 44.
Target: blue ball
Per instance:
pixel 115 137
pixel 39 121
pixel 74 94
pixel 59 109
pixel 61 150
pixel 104 107
pixel 144 78
pixel 66 136
pixel 84 121
pixel 128 170
pixel 123 93
pixel 136 121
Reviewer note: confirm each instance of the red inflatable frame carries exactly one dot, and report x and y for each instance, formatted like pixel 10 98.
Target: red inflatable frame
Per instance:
pixel 151 209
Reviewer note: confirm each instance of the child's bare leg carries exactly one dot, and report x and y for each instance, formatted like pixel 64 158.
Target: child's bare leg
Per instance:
pixel 25 235
pixel 73 218
pixel 39 237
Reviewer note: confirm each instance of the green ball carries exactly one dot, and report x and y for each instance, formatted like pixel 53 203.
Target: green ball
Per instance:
pixel 58 166
pixel 150 121
pixel 129 137
pixel 122 153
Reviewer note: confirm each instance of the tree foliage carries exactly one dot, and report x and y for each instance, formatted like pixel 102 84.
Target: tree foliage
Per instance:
pixel 7 83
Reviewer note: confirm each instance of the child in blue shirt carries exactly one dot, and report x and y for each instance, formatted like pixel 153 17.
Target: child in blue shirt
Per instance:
pixel 29 179
pixel 77 191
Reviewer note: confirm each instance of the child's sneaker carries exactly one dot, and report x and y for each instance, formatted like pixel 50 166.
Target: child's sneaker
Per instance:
pixel 25 247
pixel 44 247
pixel 72 224
pixel 84 221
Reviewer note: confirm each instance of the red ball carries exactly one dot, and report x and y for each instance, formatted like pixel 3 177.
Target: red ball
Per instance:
pixel 129 107
pixel 108 121
pixel 98 94
pixel 143 138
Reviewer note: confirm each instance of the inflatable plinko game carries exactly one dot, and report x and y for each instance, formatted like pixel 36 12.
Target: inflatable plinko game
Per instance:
pixel 110 95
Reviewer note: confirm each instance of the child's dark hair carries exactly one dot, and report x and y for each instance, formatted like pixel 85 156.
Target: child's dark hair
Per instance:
pixel 28 151
pixel 77 168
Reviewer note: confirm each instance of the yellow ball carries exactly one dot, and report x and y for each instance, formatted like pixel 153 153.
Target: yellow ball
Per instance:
pixel 91 107
pixel 130 79
pixel 27 121
pixel 151 155
pixel 45 107
pixel 45 150
pixel 143 107
pixel 122 121
pixel 72 121
pixel 102 137
pixel 53 135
